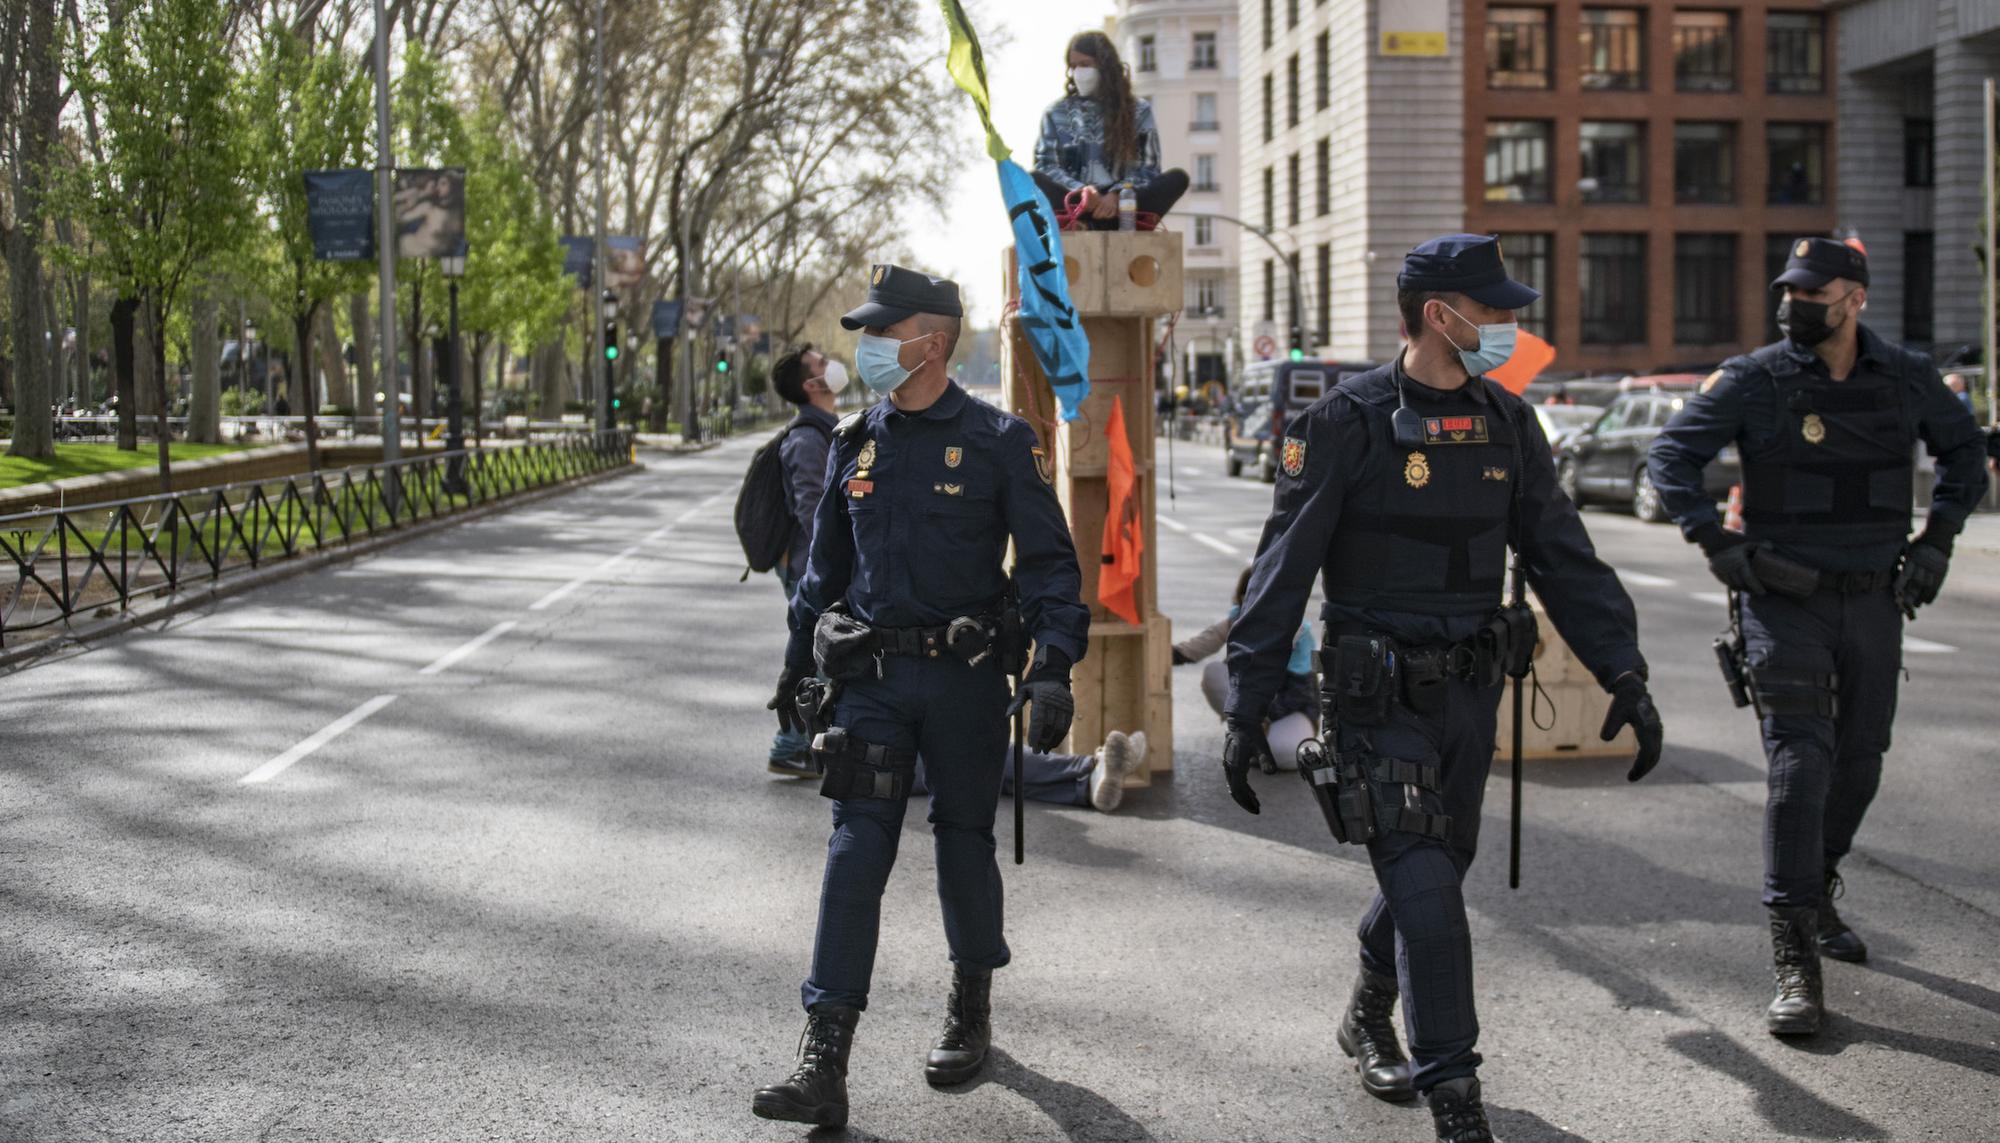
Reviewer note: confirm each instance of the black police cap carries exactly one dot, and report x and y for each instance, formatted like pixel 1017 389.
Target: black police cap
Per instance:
pixel 895 293
pixel 1466 264
pixel 1817 261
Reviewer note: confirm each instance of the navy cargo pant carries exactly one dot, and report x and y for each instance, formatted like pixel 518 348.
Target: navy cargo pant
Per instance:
pixel 1829 666
pixel 955 717
pixel 1415 929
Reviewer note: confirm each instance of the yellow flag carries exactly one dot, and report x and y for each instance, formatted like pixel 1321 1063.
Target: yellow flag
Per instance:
pixel 967 65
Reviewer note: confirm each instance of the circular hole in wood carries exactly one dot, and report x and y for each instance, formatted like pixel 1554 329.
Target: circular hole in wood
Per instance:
pixel 1144 270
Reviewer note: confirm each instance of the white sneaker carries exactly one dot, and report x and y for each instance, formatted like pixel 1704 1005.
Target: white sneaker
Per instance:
pixel 1135 758
pixel 1107 778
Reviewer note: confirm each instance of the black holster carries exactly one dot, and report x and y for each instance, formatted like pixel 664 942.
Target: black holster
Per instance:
pixel 844 648
pixel 1011 641
pixel 814 702
pixel 857 769
pixel 1729 657
pixel 1341 788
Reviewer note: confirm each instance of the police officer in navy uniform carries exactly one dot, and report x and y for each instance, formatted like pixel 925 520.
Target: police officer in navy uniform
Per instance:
pixel 1399 490
pixel 923 492
pixel 1823 573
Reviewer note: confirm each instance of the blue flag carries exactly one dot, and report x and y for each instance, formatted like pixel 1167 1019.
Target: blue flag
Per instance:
pixel 1054 328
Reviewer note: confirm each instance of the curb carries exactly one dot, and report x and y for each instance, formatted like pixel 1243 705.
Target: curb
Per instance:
pixel 286 567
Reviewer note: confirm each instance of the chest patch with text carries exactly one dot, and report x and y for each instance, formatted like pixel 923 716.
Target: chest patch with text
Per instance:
pixel 1455 430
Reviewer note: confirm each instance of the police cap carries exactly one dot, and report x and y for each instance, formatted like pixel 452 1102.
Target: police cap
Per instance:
pixel 1466 264
pixel 1816 261
pixel 895 293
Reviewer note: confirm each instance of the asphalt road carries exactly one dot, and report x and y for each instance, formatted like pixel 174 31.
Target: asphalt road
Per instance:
pixel 510 868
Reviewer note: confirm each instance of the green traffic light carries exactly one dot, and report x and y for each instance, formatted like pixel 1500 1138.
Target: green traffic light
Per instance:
pixel 616 402
pixel 722 366
pixel 1298 355
pixel 610 353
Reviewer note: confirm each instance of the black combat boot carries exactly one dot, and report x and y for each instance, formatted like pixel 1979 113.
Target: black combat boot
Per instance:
pixel 817 1091
pixel 1795 962
pixel 1835 938
pixel 1368 1035
pixel 1457 1113
pixel 968 1029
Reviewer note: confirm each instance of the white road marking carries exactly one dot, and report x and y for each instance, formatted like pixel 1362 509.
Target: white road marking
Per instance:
pixel 452 658
pixel 1717 597
pixel 1644 580
pixel 1190 470
pixel 1918 646
pixel 545 602
pixel 321 737
pixel 1218 545
pixel 1173 525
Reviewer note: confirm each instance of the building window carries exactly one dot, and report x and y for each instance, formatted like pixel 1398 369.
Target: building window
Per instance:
pixel 1517 160
pixel 1704 289
pixel 1292 187
pixel 1919 152
pixel 1797 163
pixel 1323 71
pixel 1517 48
pixel 1208 296
pixel 1529 258
pixel 1292 91
pixel 1614 49
pixel 1270 290
pixel 1614 162
pixel 1611 291
pixel 1291 13
pixel 1270 198
pixel 1204 173
pixel 1919 254
pixel 1704 51
pixel 1203 56
pixel 1704 162
pixel 1795 53
pixel 1324 331
pixel 1204 230
pixel 1268 30
pixel 1323 185
pixel 1148 59
pixel 1777 251
pixel 1270 107
pixel 1206 118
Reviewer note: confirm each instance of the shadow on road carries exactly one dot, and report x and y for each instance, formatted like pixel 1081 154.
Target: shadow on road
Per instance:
pixel 1844 1031
pixel 1526 1127
pixel 1965 992
pixel 1785 1106
pixel 1082 1115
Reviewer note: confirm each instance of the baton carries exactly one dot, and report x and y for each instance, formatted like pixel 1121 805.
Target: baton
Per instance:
pixel 1514 822
pixel 1020 849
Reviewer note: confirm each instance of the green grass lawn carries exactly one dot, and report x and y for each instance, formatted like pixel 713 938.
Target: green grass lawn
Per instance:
pixel 89 459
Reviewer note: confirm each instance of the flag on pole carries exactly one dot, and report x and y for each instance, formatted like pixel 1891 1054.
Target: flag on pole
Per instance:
pixel 1124 543
pixel 1531 356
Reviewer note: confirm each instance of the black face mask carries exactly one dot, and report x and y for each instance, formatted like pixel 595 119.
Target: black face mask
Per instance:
pixel 1805 322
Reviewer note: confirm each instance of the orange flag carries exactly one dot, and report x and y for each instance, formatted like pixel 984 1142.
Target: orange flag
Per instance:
pixel 1124 537
pixel 1531 356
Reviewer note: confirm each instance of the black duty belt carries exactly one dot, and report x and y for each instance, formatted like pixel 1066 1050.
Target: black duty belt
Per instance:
pixel 1855 583
pixel 970 637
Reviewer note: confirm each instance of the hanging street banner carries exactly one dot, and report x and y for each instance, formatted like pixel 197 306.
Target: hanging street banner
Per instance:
pixel 580 258
pixel 1054 329
pixel 666 320
pixel 340 213
pixel 624 261
pixel 430 213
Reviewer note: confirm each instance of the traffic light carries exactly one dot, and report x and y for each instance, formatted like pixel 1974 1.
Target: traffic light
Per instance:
pixel 721 362
pixel 610 339
pixel 1298 343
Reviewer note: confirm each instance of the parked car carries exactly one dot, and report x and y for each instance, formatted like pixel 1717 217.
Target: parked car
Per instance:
pixel 1562 422
pixel 1267 395
pixel 1607 461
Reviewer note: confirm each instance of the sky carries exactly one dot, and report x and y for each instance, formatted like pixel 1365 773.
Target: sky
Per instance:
pixel 1023 42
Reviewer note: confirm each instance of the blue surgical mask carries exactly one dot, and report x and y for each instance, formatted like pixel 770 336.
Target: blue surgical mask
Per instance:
pixel 879 361
pixel 1496 345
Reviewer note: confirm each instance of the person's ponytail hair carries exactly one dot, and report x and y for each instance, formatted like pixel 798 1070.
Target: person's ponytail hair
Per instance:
pixel 1114 94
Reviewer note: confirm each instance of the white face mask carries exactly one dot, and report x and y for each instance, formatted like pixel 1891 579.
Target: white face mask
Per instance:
pixel 1085 79
pixel 836 377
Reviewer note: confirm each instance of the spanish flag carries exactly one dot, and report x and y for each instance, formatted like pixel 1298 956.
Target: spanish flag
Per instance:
pixel 1124 533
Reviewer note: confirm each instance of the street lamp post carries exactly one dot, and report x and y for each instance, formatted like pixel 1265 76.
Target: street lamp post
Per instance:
pixel 453 267
pixel 1291 268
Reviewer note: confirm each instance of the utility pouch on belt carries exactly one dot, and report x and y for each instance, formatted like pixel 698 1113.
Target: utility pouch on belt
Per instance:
pixel 844 648
pixel 1425 671
pixel 1515 635
pixel 857 769
pixel 1786 577
pixel 1012 641
pixel 1364 678
pixel 1342 791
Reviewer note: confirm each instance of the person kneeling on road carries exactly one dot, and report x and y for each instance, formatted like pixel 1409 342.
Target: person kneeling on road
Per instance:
pixel 1293 715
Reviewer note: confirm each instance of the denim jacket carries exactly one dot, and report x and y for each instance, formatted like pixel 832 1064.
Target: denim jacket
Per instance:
pixel 1070 149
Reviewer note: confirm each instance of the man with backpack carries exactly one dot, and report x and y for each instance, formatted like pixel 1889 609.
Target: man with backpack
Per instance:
pixel 808 379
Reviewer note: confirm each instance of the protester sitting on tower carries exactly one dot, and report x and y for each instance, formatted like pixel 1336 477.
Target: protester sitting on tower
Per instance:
pixel 1101 140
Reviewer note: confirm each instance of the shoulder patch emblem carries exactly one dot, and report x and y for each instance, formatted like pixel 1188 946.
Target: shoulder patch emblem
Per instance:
pixel 1709 381
pixel 953 455
pixel 1042 468
pixel 1417 470
pixel 1294 457
pixel 866 460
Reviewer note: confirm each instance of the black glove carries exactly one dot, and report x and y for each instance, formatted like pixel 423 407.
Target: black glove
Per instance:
pixel 1922 573
pixel 1729 558
pixel 1180 658
pixel 785 702
pixel 1243 745
pixel 1632 705
pixel 1051 707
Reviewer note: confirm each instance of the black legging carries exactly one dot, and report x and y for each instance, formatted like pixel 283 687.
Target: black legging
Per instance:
pixel 1157 197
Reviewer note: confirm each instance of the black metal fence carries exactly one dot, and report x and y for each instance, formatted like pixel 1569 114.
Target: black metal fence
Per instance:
pixel 98 559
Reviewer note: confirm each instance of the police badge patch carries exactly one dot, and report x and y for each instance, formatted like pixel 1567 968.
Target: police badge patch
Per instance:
pixel 1042 465
pixel 1709 381
pixel 1814 430
pixel 866 460
pixel 1417 470
pixel 1294 457
pixel 952 456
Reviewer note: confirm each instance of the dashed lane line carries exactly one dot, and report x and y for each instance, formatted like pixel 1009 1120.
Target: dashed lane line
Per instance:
pixel 1218 545
pixel 452 658
pixel 1645 580
pixel 1173 525
pixel 319 738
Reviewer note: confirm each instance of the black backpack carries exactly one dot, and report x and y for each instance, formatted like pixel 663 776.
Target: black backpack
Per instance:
pixel 764 523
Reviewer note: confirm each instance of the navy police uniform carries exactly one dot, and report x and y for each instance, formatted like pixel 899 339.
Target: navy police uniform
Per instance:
pixel 1410 541
pixel 1827 484
pixel 909 536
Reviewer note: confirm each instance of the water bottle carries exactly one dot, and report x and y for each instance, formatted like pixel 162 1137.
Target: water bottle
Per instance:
pixel 1128 209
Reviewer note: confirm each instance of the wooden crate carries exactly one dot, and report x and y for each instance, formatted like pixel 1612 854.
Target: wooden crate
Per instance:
pixel 1119 283
pixel 1578 705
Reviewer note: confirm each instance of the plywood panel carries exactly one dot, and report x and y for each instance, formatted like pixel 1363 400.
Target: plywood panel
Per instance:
pixel 1142 272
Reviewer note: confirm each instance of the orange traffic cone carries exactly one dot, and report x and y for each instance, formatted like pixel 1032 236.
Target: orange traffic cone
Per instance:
pixel 1732 519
